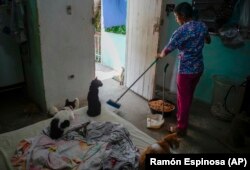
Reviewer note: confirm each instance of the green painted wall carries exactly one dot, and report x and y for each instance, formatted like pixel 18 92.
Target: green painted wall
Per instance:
pixel 218 59
pixel 33 63
pixel 113 50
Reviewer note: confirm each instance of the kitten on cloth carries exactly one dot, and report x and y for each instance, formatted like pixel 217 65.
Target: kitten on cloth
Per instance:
pixel 60 123
pixel 70 104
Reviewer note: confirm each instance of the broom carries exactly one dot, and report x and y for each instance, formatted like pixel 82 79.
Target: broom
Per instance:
pixel 115 103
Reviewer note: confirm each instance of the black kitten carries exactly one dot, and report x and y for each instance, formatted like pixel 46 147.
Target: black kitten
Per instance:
pixel 94 105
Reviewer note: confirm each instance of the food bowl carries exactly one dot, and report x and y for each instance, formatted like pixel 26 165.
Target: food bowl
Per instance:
pixel 156 106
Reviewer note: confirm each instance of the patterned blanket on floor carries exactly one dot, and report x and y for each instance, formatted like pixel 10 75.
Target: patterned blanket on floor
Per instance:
pixel 92 145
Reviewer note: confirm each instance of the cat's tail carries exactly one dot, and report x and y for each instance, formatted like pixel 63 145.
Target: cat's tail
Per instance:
pixel 53 110
pixel 77 103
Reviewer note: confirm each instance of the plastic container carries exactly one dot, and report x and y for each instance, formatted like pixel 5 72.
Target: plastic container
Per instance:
pixel 227 97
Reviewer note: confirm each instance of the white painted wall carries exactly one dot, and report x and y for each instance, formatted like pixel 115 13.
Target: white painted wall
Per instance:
pixel 67 48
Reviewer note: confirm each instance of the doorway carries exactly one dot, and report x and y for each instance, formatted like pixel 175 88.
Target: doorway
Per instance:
pixel 109 42
pixel 140 45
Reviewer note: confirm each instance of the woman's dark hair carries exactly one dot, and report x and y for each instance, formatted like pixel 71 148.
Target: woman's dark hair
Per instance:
pixel 184 9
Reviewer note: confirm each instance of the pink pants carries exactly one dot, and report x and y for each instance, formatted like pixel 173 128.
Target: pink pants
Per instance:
pixel 186 84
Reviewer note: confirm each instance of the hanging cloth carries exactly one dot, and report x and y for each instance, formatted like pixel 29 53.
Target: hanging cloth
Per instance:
pixel 245 14
pixel 17 21
pixel 114 13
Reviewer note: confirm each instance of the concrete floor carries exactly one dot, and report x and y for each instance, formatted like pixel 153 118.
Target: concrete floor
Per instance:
pixel 17 110
pixel 206 134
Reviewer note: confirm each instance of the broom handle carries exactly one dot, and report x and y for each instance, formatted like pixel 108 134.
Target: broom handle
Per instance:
pixel 163 90
pixel 137 79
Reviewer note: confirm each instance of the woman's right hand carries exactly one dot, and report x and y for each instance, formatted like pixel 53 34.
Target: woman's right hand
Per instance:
pixel 162 54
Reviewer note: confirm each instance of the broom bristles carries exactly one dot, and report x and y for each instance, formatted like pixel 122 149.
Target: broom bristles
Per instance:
pixel 113 104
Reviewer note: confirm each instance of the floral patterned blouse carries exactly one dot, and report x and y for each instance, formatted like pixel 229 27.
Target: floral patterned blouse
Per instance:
pixel 189 40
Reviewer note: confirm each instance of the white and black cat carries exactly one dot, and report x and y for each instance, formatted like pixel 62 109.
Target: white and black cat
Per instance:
pixel 60 123
pixel 68 104
pixel 94 104
pixel 72 104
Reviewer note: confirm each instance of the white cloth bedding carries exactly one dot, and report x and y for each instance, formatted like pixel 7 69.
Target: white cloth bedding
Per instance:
pixel 9 140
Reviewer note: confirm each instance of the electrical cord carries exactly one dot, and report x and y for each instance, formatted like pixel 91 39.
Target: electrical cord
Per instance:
pixel 227 94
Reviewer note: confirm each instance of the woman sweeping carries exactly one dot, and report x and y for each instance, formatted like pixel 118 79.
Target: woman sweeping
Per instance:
pixel 189 39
